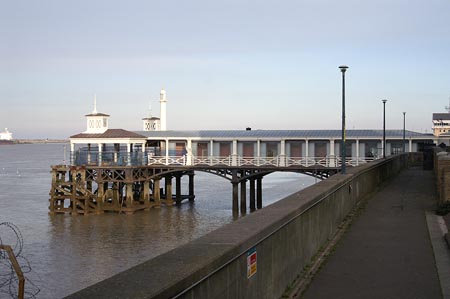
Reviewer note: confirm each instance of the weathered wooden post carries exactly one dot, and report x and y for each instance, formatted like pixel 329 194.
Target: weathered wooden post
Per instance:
pixel 252 195
pixel 168 183
pixel 244 196
pixel 156 192
pixel 191 186
pixel 259 193
pixel 178 187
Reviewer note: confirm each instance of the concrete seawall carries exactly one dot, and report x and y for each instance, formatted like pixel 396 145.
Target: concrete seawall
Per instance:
pixel 284 235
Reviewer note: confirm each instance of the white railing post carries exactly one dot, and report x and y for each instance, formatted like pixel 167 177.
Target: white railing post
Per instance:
pixel 282 156
pixel 167 152
pixel 306 152
pixel 234 154
pixel 189 152
pixel 331 160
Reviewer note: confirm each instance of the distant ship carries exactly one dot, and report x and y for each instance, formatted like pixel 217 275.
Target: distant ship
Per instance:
pixel 6 137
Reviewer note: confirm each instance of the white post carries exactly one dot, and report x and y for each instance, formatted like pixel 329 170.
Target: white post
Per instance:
pixel 128 154
pixel 306 152
pixel 258 151
pixel 234 154
pixel 357 152
pixel 167 151
pixel 189 152
pixel 282 161
pixel 89 153
pixel 331 160
pixel 72 153
pixel 410 145
pixel 211 151
pixel 100 149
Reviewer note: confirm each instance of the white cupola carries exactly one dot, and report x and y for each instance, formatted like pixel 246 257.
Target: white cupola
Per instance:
pixel 151 123
pixel 97 123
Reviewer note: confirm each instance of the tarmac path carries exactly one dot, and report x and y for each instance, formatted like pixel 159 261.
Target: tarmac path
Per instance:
pixel 387 251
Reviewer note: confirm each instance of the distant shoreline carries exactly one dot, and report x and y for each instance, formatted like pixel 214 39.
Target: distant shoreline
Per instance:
pixel 34 141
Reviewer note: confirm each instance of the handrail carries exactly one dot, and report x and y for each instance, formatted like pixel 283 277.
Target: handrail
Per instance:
pixel 147 158
pixel 15 264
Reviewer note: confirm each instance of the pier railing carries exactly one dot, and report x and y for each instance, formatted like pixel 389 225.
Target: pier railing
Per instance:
pixel 145 158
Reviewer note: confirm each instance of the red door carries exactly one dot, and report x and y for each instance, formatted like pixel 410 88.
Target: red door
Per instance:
pixel 296 149
pixel 202 149
pixel 248 149
pixel 225 149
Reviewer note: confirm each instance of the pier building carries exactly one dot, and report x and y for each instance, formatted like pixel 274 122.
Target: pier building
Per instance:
pixel 125 171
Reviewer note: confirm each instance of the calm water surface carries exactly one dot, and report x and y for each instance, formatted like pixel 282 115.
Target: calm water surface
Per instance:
pixel 68 253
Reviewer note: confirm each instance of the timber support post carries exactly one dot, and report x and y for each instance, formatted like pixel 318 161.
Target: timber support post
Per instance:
pixel 252 195
pixel 243 196
pixel 178 188
pixel 235 193
pixel 259 193
pixel 146 194
pixel 168 183
pixel 191 186
pixel 157 192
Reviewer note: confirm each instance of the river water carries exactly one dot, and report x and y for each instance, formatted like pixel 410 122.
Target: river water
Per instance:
pixel 67 253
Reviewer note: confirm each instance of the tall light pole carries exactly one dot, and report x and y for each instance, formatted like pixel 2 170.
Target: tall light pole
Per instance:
pixel 404 122
pixel 343 153
pixel 384 128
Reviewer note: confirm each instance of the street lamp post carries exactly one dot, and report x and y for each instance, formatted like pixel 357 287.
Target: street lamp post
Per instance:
pixel 343 68
pixel 384 128
pixel 404 116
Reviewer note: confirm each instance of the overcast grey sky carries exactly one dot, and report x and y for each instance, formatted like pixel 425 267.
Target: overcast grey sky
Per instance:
pixel 224 64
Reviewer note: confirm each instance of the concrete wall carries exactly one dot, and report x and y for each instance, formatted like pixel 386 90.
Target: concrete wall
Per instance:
pixel 285 235
pixel 442 174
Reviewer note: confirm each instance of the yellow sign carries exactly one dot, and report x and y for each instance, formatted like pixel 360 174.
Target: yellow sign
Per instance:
pixel 251 262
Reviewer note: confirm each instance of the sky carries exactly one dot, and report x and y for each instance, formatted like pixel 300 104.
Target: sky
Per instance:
pixel 224 64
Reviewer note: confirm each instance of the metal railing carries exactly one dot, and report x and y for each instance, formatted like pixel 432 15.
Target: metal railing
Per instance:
pixel 147 158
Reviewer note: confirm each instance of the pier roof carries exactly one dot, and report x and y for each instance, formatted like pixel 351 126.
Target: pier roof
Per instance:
pixel 283 134
pixel 110 133
pixel 97 114
pixel 441 116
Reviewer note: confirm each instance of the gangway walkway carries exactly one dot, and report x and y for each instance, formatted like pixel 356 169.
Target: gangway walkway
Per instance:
pixel 387 252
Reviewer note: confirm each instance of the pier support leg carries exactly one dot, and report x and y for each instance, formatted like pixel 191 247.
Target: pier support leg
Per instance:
pixel 259 193
pixel 116 196
pixel 235 197
pixel 178 187
pixel 252 195
pixel 168 181
pixel 191 187
pixel 235 193
pixel 147 194
pixel 156 192
pixel 129 196
pixel 244 197
pixel 100 194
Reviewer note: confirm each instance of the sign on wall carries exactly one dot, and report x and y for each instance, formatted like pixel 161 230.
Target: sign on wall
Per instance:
pixel 251 262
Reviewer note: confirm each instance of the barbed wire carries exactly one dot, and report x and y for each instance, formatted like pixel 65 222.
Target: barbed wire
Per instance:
pixel 9 281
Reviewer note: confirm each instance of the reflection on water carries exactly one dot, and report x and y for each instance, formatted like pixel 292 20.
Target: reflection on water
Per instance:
pixel 68 253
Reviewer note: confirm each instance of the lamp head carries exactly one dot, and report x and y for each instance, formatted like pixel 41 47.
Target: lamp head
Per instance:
pixel 384 101
pixel 343 68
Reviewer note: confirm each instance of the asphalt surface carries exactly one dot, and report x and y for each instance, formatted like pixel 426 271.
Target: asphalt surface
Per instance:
pixel 387 252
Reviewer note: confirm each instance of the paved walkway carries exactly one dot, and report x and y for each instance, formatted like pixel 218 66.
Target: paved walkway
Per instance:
pixel 387 252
